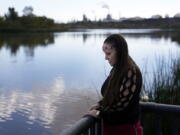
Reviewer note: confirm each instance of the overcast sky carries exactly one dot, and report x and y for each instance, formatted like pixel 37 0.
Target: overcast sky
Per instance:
pixel 68 10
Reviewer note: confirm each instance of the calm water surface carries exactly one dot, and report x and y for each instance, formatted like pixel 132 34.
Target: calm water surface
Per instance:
pixel 48 80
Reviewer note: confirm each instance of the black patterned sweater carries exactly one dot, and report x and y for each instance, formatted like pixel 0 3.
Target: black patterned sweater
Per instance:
pixel 126 109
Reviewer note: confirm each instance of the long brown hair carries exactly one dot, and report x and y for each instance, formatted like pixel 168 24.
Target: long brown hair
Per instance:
pixel 124 62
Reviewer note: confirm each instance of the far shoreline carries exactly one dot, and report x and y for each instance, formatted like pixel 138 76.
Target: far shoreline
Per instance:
pixel 163 23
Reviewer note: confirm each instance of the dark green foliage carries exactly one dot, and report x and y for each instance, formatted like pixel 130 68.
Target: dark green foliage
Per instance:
pixel 12 15
pixel 27 23
pixel 36 22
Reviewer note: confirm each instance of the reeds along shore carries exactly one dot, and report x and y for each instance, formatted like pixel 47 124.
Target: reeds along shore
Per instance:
pixel 165 85
pixel 165 88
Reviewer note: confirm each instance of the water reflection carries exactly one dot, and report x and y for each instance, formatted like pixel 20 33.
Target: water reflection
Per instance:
pixel 29 41
pixel 37 104
pixel 34 110
pixel 43 111
pixel 137 33
pixel 176 37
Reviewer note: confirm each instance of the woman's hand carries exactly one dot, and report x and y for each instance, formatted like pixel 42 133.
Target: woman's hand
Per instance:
pixel 94 107
pixel 93 113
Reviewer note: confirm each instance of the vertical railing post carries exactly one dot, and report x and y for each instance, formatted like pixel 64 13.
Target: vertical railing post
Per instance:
pixel 86 132
pixel 174 127
pixel 142 117
pixel 158 123
pixel 92 130
pixel 99 127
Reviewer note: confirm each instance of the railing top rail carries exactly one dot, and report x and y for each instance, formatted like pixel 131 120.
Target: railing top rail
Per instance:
pixel 81 125
pixel 152 106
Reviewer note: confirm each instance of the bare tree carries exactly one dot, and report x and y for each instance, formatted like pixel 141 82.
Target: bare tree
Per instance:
pixel 28 11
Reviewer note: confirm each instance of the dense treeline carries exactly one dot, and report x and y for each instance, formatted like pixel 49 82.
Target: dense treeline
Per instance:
pixel 11 22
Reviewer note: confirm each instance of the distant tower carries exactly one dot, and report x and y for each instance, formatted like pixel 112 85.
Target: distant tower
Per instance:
pixel 108 17
pixel 119 15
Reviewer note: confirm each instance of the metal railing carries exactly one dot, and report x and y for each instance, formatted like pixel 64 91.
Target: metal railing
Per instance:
pixel 87 125
pixel 162 111
pixel 92 126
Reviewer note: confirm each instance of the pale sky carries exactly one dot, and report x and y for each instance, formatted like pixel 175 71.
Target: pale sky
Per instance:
pixel 68 10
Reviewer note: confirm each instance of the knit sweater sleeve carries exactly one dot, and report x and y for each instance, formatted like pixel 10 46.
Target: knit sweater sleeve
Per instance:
pixel 126 92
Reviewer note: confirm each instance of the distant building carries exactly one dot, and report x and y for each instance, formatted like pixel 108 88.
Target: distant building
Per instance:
pixel 156 17
pixel 132 19
pixel 123 19
pixel 137 18
pixel 166 16
pixel 177 15
pixel 108 18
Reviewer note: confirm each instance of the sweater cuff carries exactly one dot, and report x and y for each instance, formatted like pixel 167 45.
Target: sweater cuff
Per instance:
pixel 101 113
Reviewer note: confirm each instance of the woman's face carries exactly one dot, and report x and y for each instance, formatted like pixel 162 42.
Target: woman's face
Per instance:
pixel 110 53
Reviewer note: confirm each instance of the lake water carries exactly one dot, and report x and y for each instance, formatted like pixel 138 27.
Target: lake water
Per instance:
pixel 48 80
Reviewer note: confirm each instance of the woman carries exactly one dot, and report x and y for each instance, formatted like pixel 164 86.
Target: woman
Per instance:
pixel 119 107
